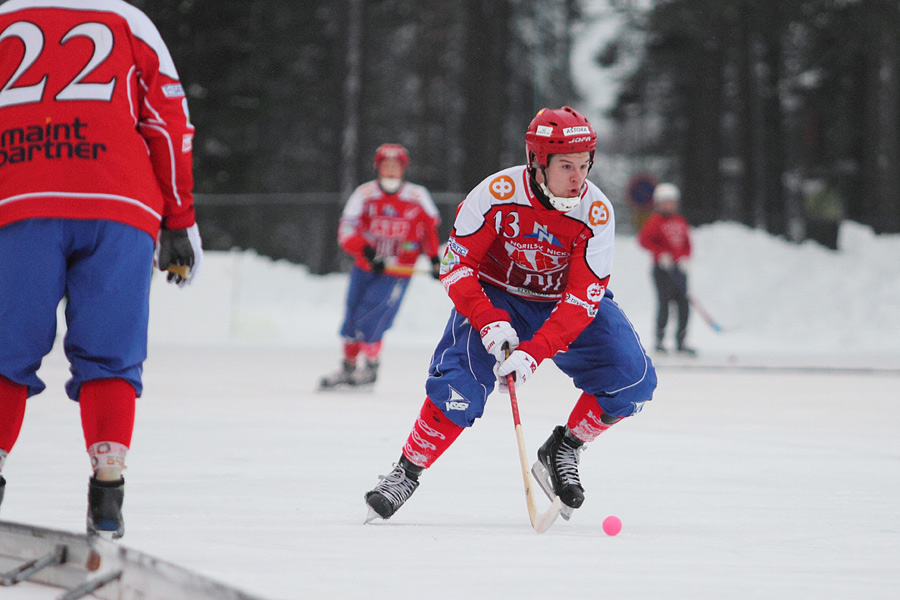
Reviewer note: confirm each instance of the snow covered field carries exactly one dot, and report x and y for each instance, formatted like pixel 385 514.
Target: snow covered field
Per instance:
pixel 766 467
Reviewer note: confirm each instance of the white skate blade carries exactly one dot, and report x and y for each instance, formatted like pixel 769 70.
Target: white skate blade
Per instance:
pixel 542 477
pixel 371 515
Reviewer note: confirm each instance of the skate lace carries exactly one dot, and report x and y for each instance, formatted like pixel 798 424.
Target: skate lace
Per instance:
pixel 567 464
pixel 396 486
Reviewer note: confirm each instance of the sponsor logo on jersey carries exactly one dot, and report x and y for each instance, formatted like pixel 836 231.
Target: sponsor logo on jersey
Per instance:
pixel 598 214
pixel 542 234
pixel 529 293
pixel 457 248
pixel 536 257
pixel 544 131
pixel 502 188
pixel 580 130
pixel 51 141
pixel 173 90
pixel 187 142
pixel 587 306
pixel 595 292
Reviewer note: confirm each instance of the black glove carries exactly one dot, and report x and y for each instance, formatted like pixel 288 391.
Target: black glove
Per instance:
pixel 435 267
pixel 175 248
pixel 377 264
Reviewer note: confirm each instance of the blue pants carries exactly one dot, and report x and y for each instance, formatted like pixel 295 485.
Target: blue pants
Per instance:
pixel 372 303
pixel 103 269
pixel 607 360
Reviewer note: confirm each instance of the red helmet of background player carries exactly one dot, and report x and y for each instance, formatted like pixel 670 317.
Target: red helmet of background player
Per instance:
pixel 394 151
pixel 558 131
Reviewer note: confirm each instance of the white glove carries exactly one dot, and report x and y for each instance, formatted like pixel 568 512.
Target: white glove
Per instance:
pixel 180 251
pixel 665 260
pixel 521 364
pixel 499 338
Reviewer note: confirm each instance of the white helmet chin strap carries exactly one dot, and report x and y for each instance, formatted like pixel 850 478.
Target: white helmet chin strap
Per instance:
pixel 560 203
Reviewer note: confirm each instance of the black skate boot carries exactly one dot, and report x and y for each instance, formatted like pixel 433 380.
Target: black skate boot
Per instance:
pixel 367 375
pixel 104 517
pixel 393 490
pixel 685 349
pixel 341 377
pixel 660 347
pixel 2 487
pixel 556 469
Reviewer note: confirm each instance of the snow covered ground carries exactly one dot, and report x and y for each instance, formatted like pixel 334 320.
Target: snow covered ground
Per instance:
pixel 766 467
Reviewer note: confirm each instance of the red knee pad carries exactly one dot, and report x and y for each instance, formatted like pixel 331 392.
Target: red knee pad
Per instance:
pixel 12 411
pixel 107 411
pixel 432 434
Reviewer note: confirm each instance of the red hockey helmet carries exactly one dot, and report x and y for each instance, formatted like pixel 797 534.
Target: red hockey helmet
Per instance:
pixel 394 151
pixel 558 131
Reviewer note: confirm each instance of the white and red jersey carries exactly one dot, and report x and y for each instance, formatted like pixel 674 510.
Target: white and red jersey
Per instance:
pixel 399 226
pixel 666 234
pixel 93 119
pixel 505 237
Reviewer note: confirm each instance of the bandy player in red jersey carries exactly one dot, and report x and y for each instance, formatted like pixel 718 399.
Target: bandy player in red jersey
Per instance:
pixel 527 268
pixel 667 235
pixel 95 173
pixel 386 224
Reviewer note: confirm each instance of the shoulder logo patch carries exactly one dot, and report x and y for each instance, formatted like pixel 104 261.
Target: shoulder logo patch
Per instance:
pixel 598 214
pixel 502 188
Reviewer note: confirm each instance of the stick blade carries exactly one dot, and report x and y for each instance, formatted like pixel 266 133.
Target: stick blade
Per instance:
pixel 543 521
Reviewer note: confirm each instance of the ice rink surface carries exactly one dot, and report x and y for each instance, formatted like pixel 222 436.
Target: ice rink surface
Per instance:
pixel 730 484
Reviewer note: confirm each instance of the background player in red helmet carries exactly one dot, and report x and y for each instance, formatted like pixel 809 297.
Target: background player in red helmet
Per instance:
pixel 527 267
pixel 95 170
pixel 386 224
pixel 667 235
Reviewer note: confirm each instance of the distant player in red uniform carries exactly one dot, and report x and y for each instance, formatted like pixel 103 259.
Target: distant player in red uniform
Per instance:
pixel 668 236
pixel 386 224
pixel 95 172
pixel 527 268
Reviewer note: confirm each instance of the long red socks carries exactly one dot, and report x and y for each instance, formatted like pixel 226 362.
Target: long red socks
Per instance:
pixel 12 412
pixel 107 411
pixel 587 420
pixel 431 435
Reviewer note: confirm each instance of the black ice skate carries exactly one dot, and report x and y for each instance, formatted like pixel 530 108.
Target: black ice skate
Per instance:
pixel 393 490
pixel 340 378
pixel 685 349
pixel 104 517
pixel 367 375
pixel 660 347
pixel 2 488
pixel 556 469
